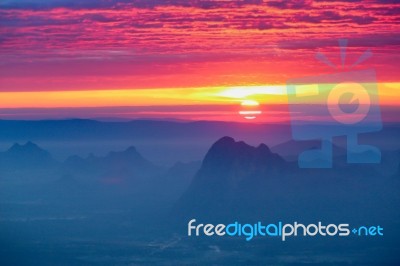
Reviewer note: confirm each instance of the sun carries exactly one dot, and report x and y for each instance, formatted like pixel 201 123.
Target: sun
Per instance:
pixel 250 109
pixel 249 98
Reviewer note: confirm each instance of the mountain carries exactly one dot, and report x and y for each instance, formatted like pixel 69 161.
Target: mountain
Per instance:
pixel 230 162
pixel 290 150
pixel 127 166
pixel 163 142
pixel 118 174
pixel 237 180
pixel 28 156
pixel 232 173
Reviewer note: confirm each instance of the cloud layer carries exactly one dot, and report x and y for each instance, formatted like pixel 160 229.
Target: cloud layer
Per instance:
pixel 92 44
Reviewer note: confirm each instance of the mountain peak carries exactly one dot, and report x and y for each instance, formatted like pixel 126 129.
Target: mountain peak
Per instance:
pixel 15 146
pixel 131 150
pixel 226 150
pixel 28 155
pixel 229 169
pixel 264 149
pixel 225 140
pixel 27 147
pixel 227 145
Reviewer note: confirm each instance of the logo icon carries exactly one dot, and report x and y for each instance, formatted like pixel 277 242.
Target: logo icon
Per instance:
pixel 344 103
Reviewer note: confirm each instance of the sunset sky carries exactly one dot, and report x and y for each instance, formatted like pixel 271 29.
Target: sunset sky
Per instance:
pixel 184 59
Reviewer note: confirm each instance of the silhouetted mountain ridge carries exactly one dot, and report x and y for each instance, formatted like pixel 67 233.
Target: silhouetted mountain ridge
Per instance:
pixel 116 166
pixel 238 180
pixel 227 157
pixel 231 170
pixel 26 156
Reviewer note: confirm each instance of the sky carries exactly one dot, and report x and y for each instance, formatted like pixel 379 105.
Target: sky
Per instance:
pixel 185 59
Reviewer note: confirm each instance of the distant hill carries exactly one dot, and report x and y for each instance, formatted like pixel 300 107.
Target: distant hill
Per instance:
pixel 81 129
pixel 123 176
pixel 114 168
pixel 25 157
pixel 291 149
pixel 162 142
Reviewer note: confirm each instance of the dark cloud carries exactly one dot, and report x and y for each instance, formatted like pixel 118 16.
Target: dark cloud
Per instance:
pixel 387 1
pixel 360 41
pixel 49 4
pixel 390 11
pixel 292 4
pixel 333 17
pixel 100 18
pixel 204 4
pixel 261 25
pixel 187 29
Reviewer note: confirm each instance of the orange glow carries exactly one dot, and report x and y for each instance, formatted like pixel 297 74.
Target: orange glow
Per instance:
pixel 246 96
pixel 249 103
pixel 108 98
pixel 135 97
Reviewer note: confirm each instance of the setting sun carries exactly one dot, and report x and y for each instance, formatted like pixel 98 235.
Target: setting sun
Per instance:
pixel 250 109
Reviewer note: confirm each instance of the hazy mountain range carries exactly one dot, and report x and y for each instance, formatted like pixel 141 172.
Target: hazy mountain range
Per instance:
pixel 28 171
pixel 234 179
pixel 130 203
pixel 238 180
pixel 163 142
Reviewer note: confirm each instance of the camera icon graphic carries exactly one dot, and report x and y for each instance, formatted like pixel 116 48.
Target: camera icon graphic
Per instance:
pixel 332 105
